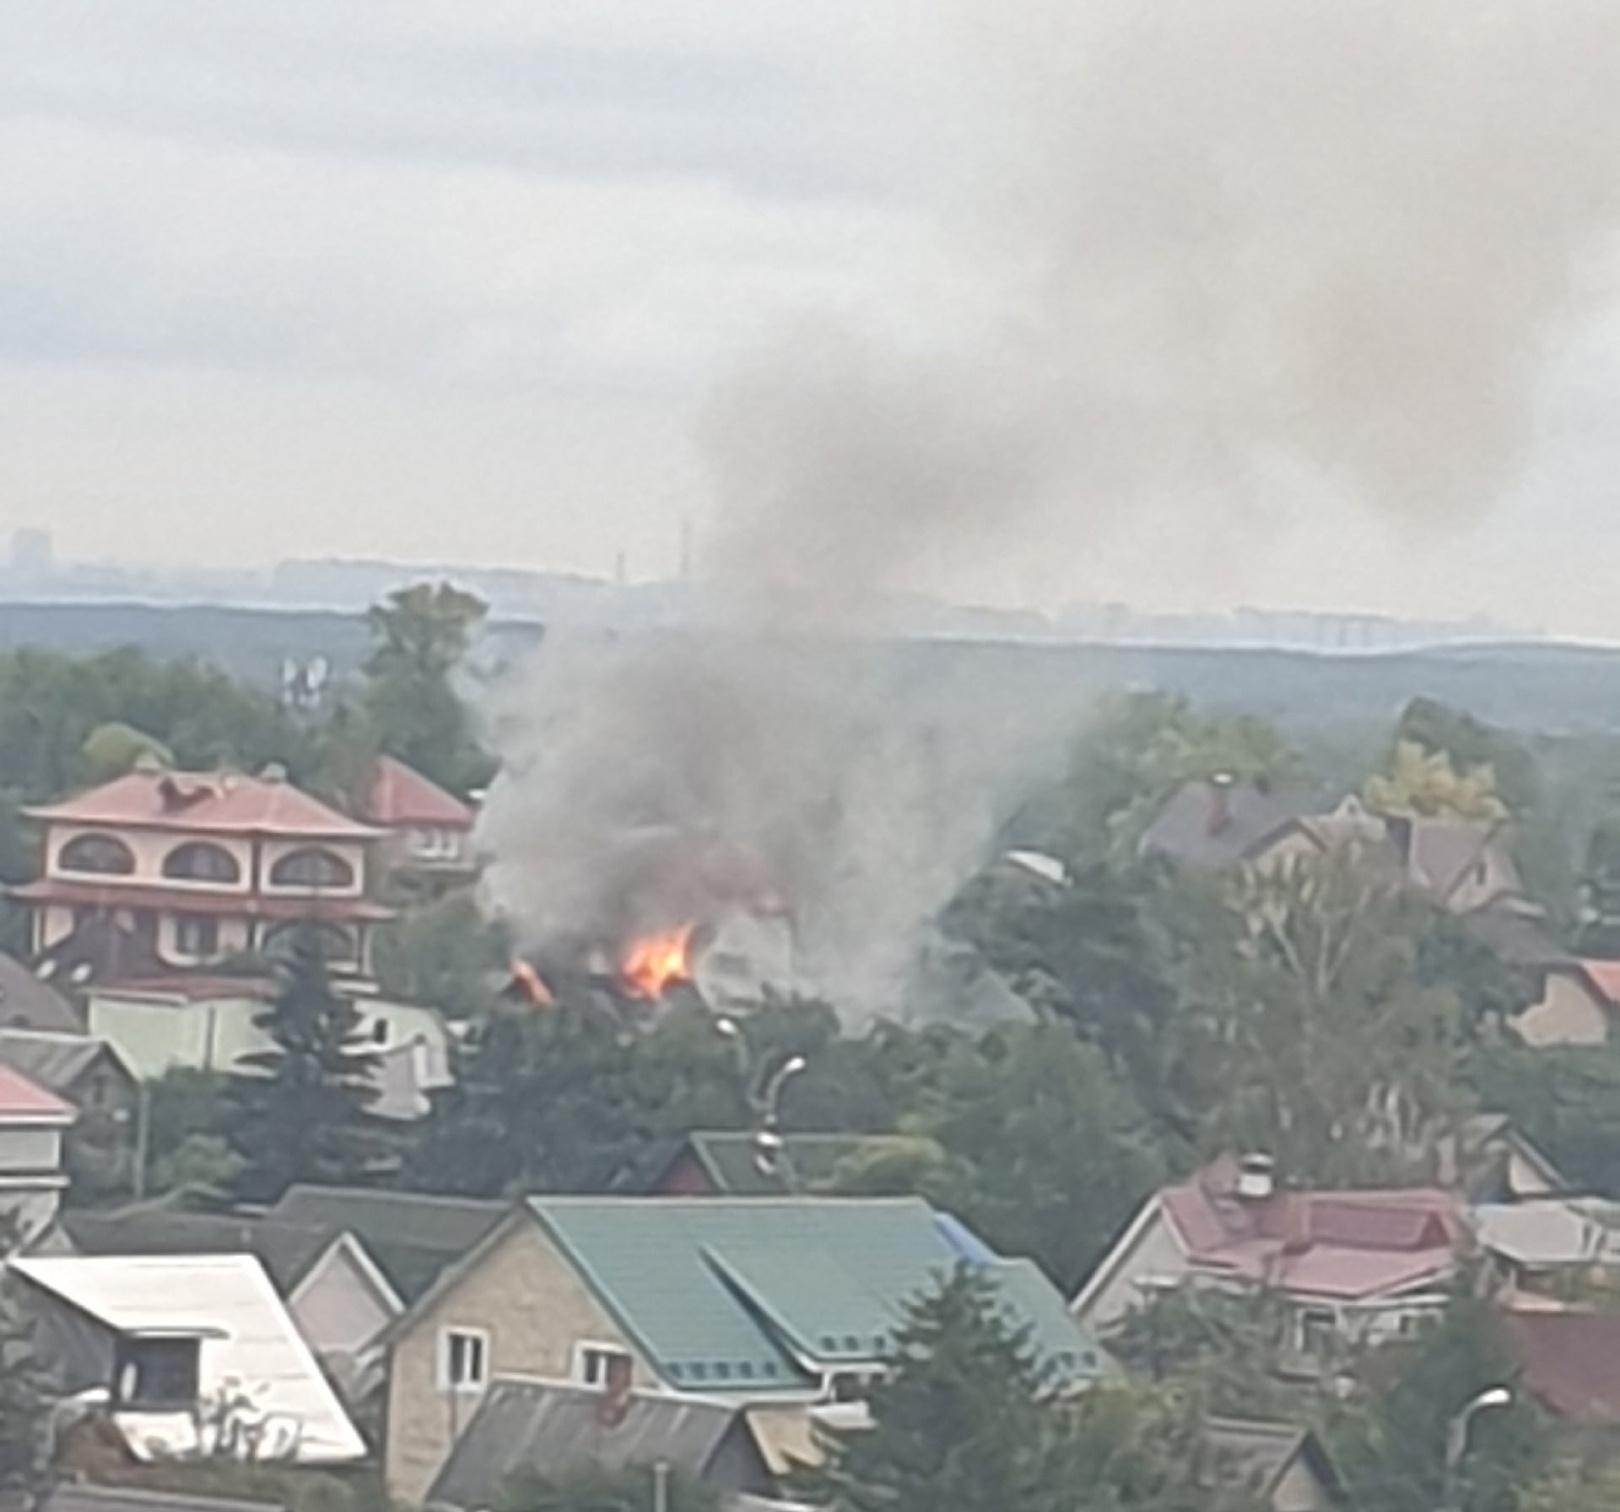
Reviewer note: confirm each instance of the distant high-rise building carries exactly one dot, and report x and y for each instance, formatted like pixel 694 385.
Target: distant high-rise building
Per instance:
pixel 33 553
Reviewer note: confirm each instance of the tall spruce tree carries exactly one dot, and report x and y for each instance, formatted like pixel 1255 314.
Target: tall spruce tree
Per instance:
pixel 299 1106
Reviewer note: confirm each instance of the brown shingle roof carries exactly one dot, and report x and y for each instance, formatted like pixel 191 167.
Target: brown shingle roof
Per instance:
pixel 1571 1362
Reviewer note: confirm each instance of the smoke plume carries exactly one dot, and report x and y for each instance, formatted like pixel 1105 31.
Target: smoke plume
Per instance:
pixel 1213 244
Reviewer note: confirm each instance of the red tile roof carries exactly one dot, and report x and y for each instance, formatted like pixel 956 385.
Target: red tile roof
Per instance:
pixel 1329 1244
pixel 402 797
pixel 1605 976
pixel 213 802
pixel 1571 1362
pixel 24 1101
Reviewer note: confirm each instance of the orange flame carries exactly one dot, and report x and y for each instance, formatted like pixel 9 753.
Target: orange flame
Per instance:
pixel 657 962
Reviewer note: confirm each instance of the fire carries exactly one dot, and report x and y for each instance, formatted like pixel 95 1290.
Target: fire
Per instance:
pixel 654 963
pixel 531 985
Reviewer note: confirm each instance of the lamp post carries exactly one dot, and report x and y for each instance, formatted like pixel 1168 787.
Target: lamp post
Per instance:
pixel 765 1100
pixel 1457 1440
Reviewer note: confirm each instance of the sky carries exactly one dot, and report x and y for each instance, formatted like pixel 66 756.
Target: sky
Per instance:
pixel 457 279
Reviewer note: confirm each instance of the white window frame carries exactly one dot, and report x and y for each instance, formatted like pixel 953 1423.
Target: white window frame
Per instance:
pixel 585 1348
pixel 446 1350
pixel 182 946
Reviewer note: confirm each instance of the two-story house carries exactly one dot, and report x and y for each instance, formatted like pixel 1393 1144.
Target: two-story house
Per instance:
pixel 33 1123
pixel 1366 1265
pixel 756 1300
pixel 162 872
pixel 428 832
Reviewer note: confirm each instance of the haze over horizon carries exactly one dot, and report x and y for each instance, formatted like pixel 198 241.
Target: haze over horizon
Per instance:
pixel 453 282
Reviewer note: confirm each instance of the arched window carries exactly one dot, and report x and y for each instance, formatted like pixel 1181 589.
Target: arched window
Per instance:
pixel 103 855
pixel 332 941
pixel 311 868
pixel 198 861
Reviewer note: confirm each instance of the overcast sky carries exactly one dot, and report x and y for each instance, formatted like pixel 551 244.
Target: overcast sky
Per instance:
pixel 450 279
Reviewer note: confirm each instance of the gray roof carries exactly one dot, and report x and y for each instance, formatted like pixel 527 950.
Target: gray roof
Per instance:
pixel 1516 939
pixel 411 1238
pixel 286 1250
pixel 28 1003
pixel 551 1429
pixel 73 1496
pixel 54 1059
pixel 1204 826
pixel 1257 1455
pixel 1439 852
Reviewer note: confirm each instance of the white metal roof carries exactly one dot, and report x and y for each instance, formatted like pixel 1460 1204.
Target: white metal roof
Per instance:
pixel 250 1347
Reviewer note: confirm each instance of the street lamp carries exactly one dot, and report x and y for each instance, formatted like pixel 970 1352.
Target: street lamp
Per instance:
pixel 764 1099
pixel 1457 1439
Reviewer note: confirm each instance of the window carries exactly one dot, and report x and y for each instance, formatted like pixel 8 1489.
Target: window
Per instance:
pixel 379 1031
pixel 596 1364
pixel 463 1359
pixel 156 1373
pixel 311 868
pixel 101 855
pixel 198 861
pixel 196 935
pixel 332 941
pixel 1317 1329
pixel 432 844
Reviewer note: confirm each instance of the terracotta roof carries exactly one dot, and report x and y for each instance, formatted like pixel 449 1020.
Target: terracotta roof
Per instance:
pixel 1604 976
pixel 211 802
pixel 221 905
pixel 1571 1362
pixel 1340 1244
pixel 25 1101
pixel 401 797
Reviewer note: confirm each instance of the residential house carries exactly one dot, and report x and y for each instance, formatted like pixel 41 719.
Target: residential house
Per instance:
pixel 552 1428
pixel 1551 1252
pixel 162 872
pixel 335 1291
pixel 428 832
pixel 194 1353
pixel 755 1300
pixel 1362 1265
pixel 95 1079
pixel 207 1023
pixel 1282 1465
pixel 1577 1006
pixel 729 1164
pixel 28 1001
pixel 1219 824
pixel 1489 1160
pixel 33 1122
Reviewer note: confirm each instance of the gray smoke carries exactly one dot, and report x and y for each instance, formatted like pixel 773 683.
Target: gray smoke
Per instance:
pixel 1215 243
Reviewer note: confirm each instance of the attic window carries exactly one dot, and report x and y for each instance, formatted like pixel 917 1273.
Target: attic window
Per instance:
pixel 158 1374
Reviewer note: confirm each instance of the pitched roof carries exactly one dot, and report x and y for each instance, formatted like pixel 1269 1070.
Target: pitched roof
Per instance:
pixel 1551 1230
pixel 1338 1244
pixel 1571 1362
pixel 247 1336
pixel 78 1496
pixel 751 1295
pixel 401 797
pixel 27 1002
pixel 287 1251
pixel 1516 939
pixel 730 1161
pixel 1439 852
pixel 25 1101
pixel 57 1061
pixel 1207 824
pixel 212 802
pixel 1257 1455
pixel 410 1237
pixel 551 1429
pixel 1604 977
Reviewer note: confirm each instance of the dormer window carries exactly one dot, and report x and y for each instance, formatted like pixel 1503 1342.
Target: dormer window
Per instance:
pixel 97 855
pixel 156 1374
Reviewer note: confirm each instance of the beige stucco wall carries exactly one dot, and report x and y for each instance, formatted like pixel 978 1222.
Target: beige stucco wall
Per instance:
pixel 532 1306
pixel 149 848
pixel 336 1308
pixel 1567 1014
pixel 1299 1490
pixel 1151 1254
pixel 1492 876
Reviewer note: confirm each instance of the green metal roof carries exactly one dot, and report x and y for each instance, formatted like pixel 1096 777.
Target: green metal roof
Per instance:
pixel 761 1294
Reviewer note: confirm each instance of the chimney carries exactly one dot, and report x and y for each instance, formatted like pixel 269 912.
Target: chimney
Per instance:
pixel 616 1381
pixel 1220 802
pixel 1257 1178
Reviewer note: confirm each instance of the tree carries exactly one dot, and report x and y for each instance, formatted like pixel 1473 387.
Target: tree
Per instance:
pixel 421 635
pixel 445 954
pixel 1057 1154
pixel 112 749
pixel 1566 1098
pixel 1308 1033
pixel 595 1489
pixel 24 1412
pixel 299 1106
pixel 1471 745
pixel 1600 892
pixel 1573 1488
pixel 1427 785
